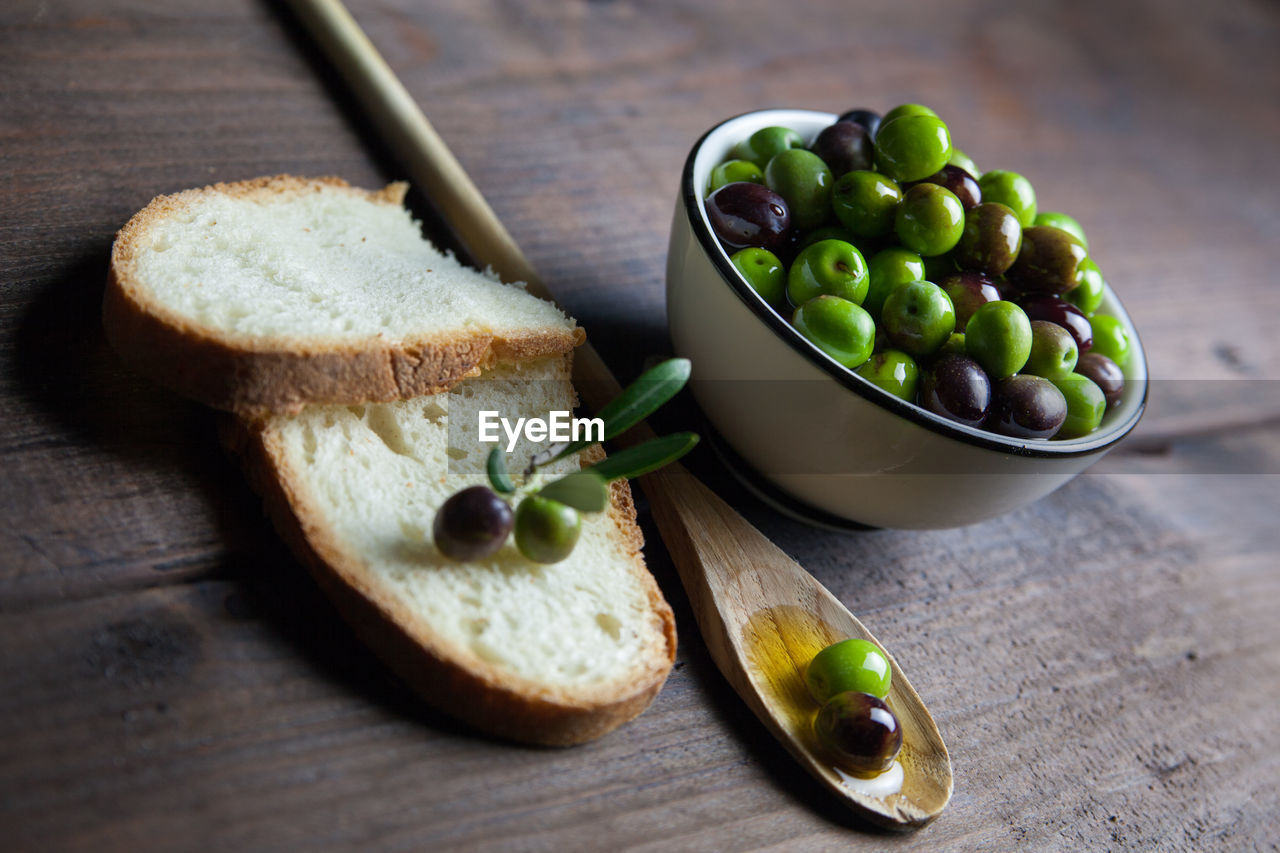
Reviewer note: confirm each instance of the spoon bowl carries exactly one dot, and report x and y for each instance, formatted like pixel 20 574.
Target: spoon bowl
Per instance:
pixel 778 642
pixel 763 618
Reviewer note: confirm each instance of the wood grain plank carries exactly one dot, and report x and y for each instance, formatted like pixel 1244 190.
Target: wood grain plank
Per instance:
pixel 1102 663
pixel 1073 683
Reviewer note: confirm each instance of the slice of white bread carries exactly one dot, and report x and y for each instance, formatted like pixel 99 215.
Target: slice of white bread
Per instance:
pixel 265 295
pixel 555 654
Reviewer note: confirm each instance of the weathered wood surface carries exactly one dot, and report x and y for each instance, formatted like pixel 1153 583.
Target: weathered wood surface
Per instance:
pixel 1104 664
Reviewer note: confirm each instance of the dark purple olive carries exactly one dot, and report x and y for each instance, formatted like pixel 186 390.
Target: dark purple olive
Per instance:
pixel 956 387
pixel 960 182
pixel 990 240
pixel 1048 261
pixel 861 730
pixel 1044 306
pixel 472 524
pixel 1105 373
pixel 745 214
pixel 844 147
pixel 969 291
pixel 870 121
pixel 1027 406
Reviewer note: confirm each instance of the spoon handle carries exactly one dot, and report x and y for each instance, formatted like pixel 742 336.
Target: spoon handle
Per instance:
pixel 730 570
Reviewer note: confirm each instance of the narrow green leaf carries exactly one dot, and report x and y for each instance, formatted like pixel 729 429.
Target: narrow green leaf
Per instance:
pixel 583 490
pixel 641 398
pixel 497 469
pixel 643 458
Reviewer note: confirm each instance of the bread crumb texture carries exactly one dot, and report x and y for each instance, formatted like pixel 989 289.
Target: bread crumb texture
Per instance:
pixel 318 261
pixel 373 477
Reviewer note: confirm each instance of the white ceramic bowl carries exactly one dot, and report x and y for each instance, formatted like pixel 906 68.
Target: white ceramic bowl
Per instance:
pixel 834 445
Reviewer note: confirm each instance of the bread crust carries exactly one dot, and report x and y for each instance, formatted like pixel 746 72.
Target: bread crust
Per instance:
pixel 254 377
pixel 487 697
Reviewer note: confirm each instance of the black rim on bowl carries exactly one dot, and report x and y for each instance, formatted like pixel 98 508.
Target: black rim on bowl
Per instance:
pixel 1046 448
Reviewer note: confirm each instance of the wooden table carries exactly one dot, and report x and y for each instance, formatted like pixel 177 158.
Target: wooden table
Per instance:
pixel 1105 664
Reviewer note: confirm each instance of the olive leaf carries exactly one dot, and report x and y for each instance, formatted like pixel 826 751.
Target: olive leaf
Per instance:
pixel 646 457
pixel 583 490
pixel 641 398
pixel 496 466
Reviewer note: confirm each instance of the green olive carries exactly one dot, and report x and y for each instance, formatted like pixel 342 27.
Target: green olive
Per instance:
pixel 918 318
pixel 1061 220
pixel 954 345
pixel 546 530
pixel 732 171
pixel 906 110
pixel 894 371
pixel 853 664
pixel 864 202
pixel 1110 338
pixel 998 337
pixel 930 220
pixel 1086 405
pixel 838 327
pixel 829 266
pixel 764 272
pixel 964 161
pixel 1053 351
pixel 804 181
pixel 912 147
pixel 767 142
pixel 1090 288
pixel 1013 191
pixel 887 269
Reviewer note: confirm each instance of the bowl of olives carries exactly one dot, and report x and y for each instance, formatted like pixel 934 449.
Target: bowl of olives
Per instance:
pixel 882 334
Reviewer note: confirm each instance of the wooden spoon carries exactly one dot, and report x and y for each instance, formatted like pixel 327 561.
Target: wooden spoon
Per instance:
pixel 762 616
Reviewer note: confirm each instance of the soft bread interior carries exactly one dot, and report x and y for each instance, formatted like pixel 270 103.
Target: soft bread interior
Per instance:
pixel 326 264
pixel 372 477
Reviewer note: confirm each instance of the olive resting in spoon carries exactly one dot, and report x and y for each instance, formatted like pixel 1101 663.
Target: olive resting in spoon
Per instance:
pixel 862 730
